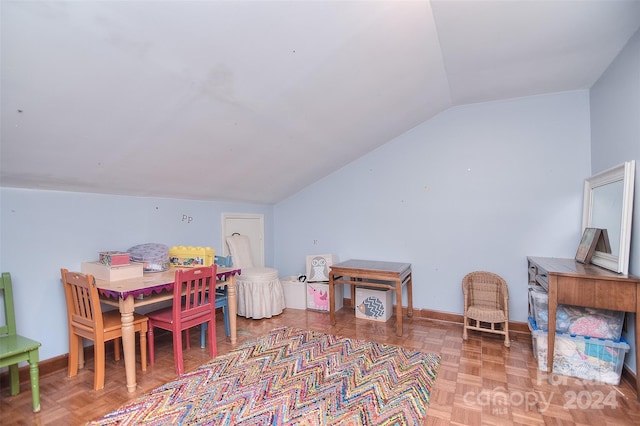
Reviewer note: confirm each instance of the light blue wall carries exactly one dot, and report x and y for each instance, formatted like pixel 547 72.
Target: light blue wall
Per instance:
pixel 615 138
pixel 478 187
pixel 43 231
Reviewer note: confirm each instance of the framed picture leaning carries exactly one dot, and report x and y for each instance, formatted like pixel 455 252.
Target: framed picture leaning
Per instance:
pixel 587 247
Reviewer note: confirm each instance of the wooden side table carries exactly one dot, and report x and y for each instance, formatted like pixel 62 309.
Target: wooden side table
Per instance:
pixel 387 275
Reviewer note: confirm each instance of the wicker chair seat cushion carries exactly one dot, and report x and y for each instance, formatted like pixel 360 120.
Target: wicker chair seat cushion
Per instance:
pixel 480 313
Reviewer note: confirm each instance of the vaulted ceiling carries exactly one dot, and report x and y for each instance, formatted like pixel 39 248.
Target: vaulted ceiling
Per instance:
pixel 253 101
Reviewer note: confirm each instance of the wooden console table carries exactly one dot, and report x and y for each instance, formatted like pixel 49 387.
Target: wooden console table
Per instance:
pixel 572 283
pixel 388 275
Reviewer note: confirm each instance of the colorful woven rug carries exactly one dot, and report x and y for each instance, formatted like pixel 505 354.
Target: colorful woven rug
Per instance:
pixel 293 376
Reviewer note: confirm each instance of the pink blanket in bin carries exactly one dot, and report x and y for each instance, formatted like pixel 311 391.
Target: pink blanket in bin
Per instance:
pixel 590 326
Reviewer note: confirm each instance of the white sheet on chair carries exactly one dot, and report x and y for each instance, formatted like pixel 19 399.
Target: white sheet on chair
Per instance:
pixel 260 293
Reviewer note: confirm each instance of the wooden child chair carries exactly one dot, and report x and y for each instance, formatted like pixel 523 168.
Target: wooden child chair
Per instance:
pixel 86 320
pixel 15 348
pixel 192 306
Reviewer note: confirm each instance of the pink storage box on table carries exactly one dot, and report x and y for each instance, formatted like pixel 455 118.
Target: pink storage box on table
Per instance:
pixel 114 258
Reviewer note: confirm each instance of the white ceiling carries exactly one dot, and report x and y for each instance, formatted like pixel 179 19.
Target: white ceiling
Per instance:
pixel 253 101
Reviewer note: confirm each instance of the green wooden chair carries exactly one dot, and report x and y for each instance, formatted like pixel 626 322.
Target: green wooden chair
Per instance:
pixel 15 348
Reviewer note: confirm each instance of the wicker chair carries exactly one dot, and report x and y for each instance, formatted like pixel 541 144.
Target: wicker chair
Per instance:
pixel 486 304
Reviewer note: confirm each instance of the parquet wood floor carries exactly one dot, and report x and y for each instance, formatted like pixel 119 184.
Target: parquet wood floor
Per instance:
pixel 480 382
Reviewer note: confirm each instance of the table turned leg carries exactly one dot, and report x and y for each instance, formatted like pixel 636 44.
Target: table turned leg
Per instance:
pixel 128 342
pixel 233 307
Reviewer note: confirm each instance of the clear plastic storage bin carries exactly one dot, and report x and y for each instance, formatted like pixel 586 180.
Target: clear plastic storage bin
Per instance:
pixel 588 358
pixel 577 320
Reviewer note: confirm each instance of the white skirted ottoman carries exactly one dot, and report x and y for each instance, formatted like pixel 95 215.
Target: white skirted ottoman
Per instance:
pixel 260 293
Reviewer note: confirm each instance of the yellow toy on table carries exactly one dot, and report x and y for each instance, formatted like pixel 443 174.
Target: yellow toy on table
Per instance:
pixel 191 257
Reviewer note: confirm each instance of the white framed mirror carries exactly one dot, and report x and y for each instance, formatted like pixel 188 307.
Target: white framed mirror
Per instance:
pixel 608 204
